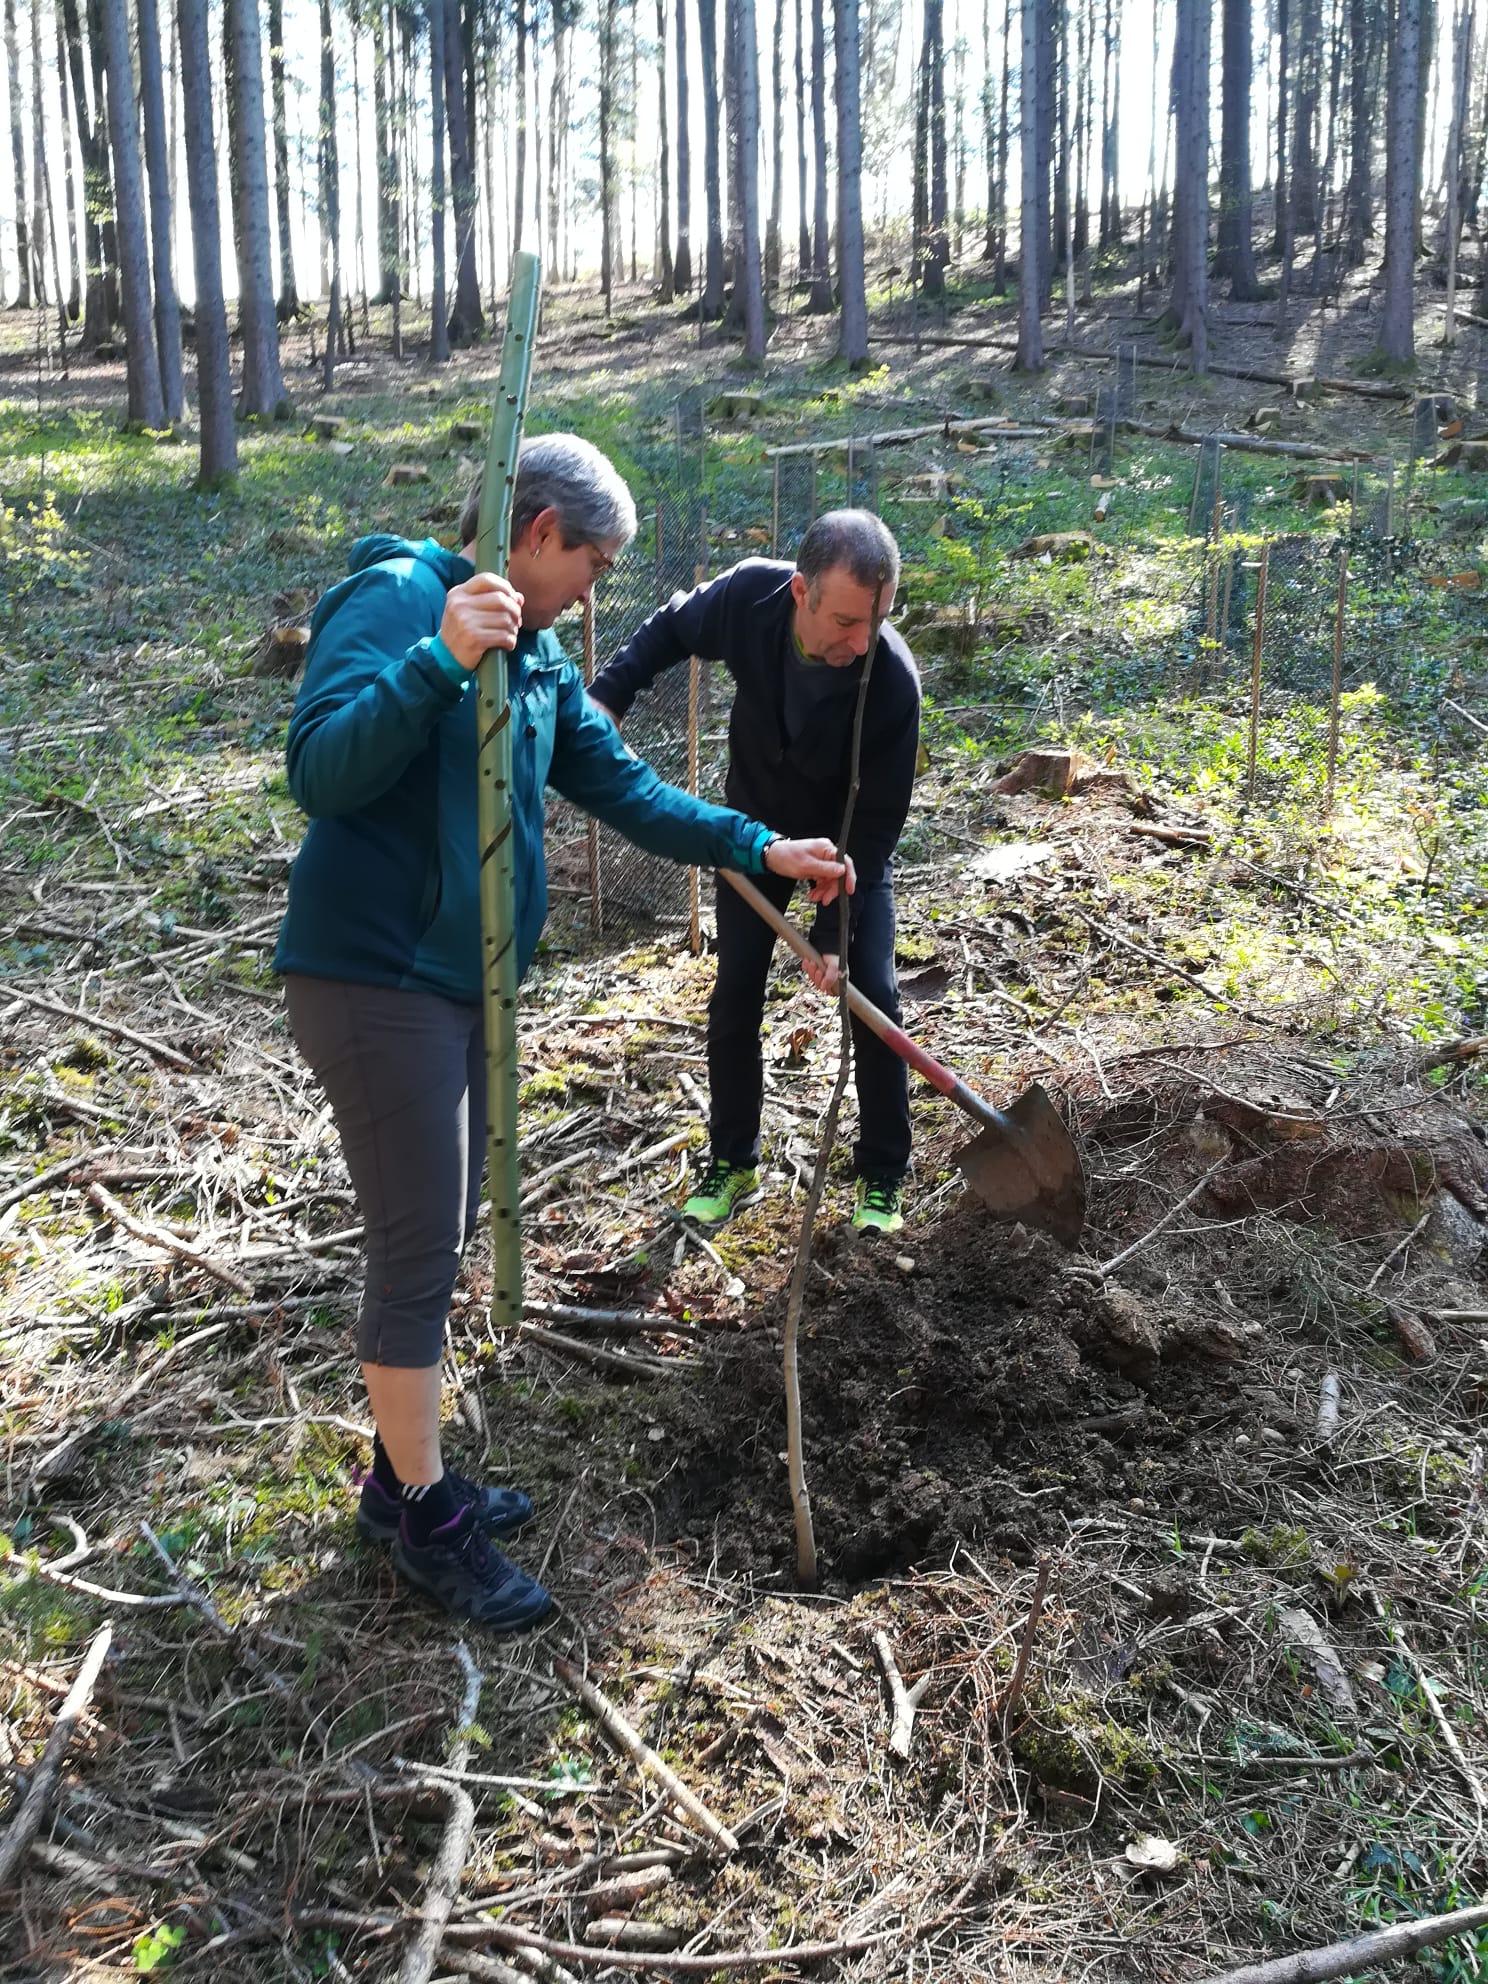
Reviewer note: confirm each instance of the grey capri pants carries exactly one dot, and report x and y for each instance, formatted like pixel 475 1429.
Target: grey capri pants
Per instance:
pixel 405 1075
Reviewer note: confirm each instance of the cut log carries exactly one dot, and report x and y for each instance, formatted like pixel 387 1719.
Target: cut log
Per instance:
pixel 1066 547
pixel 401 474
pixel 467 430
pixel 282 652
pixel 1320 492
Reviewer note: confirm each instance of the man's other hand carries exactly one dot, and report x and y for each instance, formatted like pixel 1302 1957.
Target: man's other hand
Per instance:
pixel 485 612
pixel 815 861
pixel 826 976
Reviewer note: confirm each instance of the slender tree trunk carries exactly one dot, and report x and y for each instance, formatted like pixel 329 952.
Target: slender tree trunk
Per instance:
pixel 385 144
pixel 608 247
pixel 919 213
pixel 1110 221
pixel 1029 356
pixel 852 337
pixel 361 212
pixel 519 171
pixel 664 170
pixel 142 363
pixel 712 303
pixel 989 132
pixel 330 179
pixel 167 304
pixel 38 164
pixel 1397 342
pixel 958 151
pixel 821 266
pixel 95 184
pixel 635 111
pixel 558 111
pixel 219 433
pixel 999 272
pixel 1236 255
pixel 289 300
pixel 749 274
pixel 18 156
pixel 1282 244
pixel 733 233
pixel 1191 179
pixel 1045 73
pixel 682 269
pixel 263 383
pixel 466 321
pixel 803 204
pixel 439 334
pixel 777 147
pixel 75 264
pixel 1081 198
pixel 1308 61
pixel 931 202
pixel 1359 194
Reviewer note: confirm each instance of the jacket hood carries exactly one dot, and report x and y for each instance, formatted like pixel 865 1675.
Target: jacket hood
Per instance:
pixel 450 567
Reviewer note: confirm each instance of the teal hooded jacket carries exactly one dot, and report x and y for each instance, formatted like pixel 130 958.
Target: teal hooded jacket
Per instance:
pixel 382 756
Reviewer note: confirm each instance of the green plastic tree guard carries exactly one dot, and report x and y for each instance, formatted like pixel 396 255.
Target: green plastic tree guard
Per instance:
pixel 494 793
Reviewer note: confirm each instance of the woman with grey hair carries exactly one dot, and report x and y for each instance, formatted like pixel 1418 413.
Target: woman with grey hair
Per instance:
pixel 380 946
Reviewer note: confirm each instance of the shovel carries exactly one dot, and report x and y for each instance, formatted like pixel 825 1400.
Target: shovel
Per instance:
pixel 1024 1165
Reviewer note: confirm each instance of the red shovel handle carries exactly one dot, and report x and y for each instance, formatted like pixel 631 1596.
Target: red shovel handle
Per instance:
pixel 923 1063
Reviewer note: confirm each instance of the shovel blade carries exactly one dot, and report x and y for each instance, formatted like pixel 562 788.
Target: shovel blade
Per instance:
pixel 1030 1172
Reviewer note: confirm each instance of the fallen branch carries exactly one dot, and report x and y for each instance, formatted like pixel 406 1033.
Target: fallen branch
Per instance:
pixel 626 1322
pixel 156 1236
pixel 682 1964
pixel 1476 721
pixel 904 1701
pixel 1358 1953
pixel 1452 1053
pixel 101 1025
pixel 1107 1268
pixel 1327 1412
pixel 1173 970
pixel 199 1602
pixel 618 1361
pixel 33 1808
pixel 639 1751
pixel 55 1459
pixel 1249 444
pixel 449 1863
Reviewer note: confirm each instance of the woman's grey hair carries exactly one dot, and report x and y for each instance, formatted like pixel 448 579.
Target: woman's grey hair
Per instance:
pixel 564 473
pixel 853 541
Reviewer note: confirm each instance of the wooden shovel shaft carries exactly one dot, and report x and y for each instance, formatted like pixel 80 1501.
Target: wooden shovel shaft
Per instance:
pixel 935 1072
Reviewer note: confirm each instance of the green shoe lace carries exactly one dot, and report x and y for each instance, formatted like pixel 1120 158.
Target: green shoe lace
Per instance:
pixel 876 1206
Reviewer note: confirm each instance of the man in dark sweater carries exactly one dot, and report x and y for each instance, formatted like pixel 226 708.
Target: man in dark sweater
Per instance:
pixel 795 641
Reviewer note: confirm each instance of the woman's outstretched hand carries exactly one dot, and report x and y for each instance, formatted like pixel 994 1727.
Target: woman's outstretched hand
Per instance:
pixel 816 861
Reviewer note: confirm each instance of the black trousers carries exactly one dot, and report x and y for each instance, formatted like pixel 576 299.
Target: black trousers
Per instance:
pixel 735 1063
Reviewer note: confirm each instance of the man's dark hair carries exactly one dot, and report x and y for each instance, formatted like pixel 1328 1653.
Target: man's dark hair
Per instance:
pixel 852 541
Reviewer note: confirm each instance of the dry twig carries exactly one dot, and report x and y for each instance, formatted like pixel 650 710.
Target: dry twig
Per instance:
pixel 449 1862
pixel 33 1807
pixel 1358 1953
pixel 904 1701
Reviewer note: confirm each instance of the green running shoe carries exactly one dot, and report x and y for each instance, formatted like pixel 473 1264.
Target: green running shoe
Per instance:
pixel 876 1206
pixel 722 1189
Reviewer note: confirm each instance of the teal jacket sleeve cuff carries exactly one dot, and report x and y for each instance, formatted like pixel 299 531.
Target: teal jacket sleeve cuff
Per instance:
pixel 756 850
pixel 456 672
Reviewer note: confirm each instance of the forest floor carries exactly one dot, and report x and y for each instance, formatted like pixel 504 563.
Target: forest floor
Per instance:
pixel 1178 1537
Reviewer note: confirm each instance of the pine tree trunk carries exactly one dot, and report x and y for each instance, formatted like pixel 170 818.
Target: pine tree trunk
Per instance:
pixel 664 172
pixel 1397 340
pixel 712 303
pixel 635 111
pixel 361 211
pixel 38 165
pixel 1282 244
pixel 803 203
pixel 466 321
pixel 1236 255
pixel 939 245
pixel 777 147
pixel 219 433
pixel 1044 73
pixel 558 110
pixel 95 184
pixel 385 144
pixel 1029 356
pixel 958 152
pixel 439 337
pixel 733 142
pixel 141 360
pixel 919 211
pixel 682 268
pixel 607 242
pixel 289 299
pixel 1191 179
pixel 1359 194
pixel 749 274
pixel 852 287
pixel 821 266
pixel 167 304
pixel 263 383
pixel 1308 61
pixel 999 271
pixel 18 157
pixel 75 266
pixel 1082 127
pixel 519 172
pixel 330 179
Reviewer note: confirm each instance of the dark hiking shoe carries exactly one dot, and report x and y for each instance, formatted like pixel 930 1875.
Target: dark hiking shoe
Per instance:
pixel 876 1206
pixel 722 1189
pixel 499 1511
pixel 460 1569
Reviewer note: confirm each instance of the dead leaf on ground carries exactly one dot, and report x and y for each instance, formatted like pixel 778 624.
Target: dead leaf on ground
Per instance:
pixel 1304 1631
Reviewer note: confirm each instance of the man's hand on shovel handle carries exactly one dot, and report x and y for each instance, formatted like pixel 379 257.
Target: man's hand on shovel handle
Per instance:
pixel 827 976
pixel 816 862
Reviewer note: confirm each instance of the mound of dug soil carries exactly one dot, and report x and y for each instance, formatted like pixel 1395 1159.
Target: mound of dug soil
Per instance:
pixel 980 1395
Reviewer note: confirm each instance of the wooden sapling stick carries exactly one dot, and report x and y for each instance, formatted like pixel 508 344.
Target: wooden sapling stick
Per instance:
pixel 613 1723
pixel 1025 1650
pixel 1359 1953
pixel 904 1701
pixel 33 1807
pixel 449 1863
